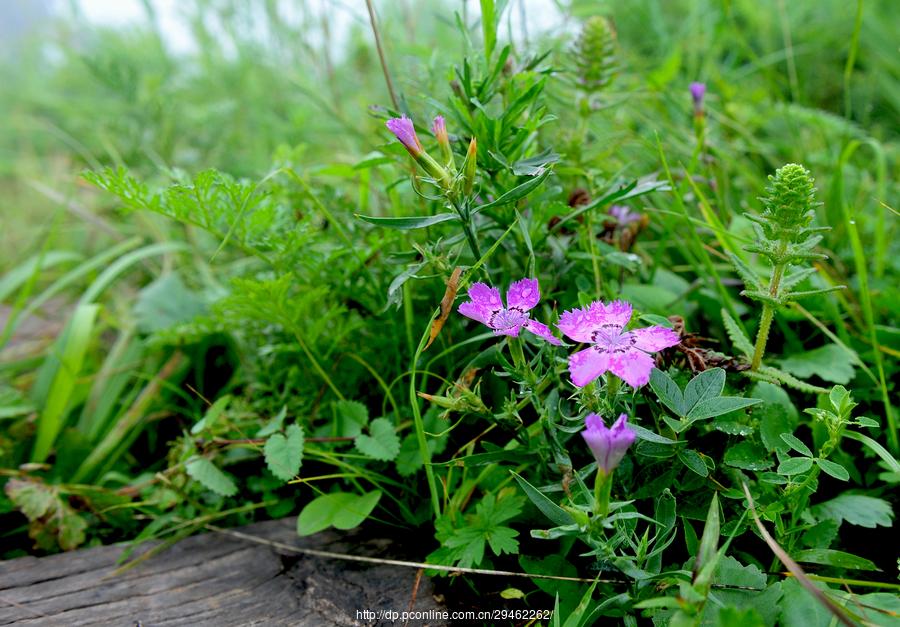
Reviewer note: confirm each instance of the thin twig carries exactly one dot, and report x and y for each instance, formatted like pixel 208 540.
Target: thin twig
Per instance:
pixel 384 67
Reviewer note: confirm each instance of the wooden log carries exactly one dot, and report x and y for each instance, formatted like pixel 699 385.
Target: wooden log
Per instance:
pixel 214 579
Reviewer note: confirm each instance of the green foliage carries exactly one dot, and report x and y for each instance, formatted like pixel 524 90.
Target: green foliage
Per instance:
pixel 251 254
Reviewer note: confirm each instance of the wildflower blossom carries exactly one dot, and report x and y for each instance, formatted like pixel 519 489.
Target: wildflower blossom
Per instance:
pixel 624 215
pixel 624 353
pixel 698 90
pixel 607 444
pixel 485 306
pixel 403 128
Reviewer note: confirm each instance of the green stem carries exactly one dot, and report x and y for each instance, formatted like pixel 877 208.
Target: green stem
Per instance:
pixel 612 390
pixel 515 350
pixel 420 423
pixel 762 336
pixel 602 491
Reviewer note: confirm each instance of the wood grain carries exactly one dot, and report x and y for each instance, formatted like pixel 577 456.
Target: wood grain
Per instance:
pixel 212 579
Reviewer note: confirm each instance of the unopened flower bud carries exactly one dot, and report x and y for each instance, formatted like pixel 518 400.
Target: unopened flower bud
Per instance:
pixel 439 128
pixel 698 91
pixel 470 167
pixel 404 130
pixel 608 444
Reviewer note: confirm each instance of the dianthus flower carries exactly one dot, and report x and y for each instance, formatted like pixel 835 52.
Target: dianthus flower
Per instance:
pixel 485 306
pixel 624 353
pixel 607 444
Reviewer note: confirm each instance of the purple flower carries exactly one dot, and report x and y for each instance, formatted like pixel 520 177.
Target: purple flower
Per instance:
pixel 405 131
pixel 624 353
pixel 698 90
pixel 485 306
pixel 439 128
pixel 623 215
pixel 607 445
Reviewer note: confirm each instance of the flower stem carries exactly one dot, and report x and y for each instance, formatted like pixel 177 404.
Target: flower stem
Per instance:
pixel 602 491
pixel 762 336
pixel 515 350
pixel 612 390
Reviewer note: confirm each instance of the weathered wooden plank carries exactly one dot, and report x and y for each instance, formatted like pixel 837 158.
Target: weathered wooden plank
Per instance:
pixel 211 579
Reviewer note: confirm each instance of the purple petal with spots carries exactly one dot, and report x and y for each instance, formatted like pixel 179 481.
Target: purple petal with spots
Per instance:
pixel 653 339
pixel 524 294
pixel 587 365
pixel 632 366
pixel 579 324
pixel 486 296
pixel 542 331
pixel 616 314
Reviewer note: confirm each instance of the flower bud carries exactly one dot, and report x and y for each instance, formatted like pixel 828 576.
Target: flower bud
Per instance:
pixel 789 202
pixel 439 128
pixel 404 130
pixel 607 444
pixel 698 91
pixel 470 166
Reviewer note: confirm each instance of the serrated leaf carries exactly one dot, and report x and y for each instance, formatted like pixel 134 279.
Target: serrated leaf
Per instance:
pixel 70 534
pixel 342 510
pixel 284 453
pixel 667 391
pixel 796 444
pixel 719 406
pixel 706 385
pixel 830 362
pixel 351 417
pixel 274 425
pixel 383 444
pixel 835 470
pixel 831 557
pixel 748 276
pixel 794 465
pixel 736 335
pixel 31 498
pixel 210 477
pixel 857 509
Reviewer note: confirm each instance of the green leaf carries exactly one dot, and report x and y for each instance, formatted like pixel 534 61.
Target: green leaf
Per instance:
pixel 210 477
pixel 650 436
pixel 31 498
pixel 285 454
pixel 879 450
pixel 830 557
pixel 777 415
pixel 694 461
pixel 796 444
pixel 547 507
pixel 668 392
pixel 830 362
pixel 212 414
pixel 341 510
pixel 70 534
pixel 801 609
pixel 857 509
pixel 718 406
pixel 274 425
pixel 794 465
pixel 747 456
pixel 516 193
pixel 736 335
pixel 835 470
pixel 408 224
pixel 351 417
pixel 383 444
pixel 706 385
pixel 709 541
pixel 165 303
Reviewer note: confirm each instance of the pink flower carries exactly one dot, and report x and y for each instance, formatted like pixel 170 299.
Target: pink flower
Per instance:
pixel 607 445
pixel 624 353
pixel 403 128
pixel 439 128
pixel 485 306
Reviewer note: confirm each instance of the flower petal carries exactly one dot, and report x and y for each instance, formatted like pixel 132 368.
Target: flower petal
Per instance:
pixel 476 311
pixel 523 294
pixel 486 296
pixel 512 331
pixel 542 331
pixel 632 366
pixel 587 365
pixel 616 314
pixel 653 339
pixel 579 324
